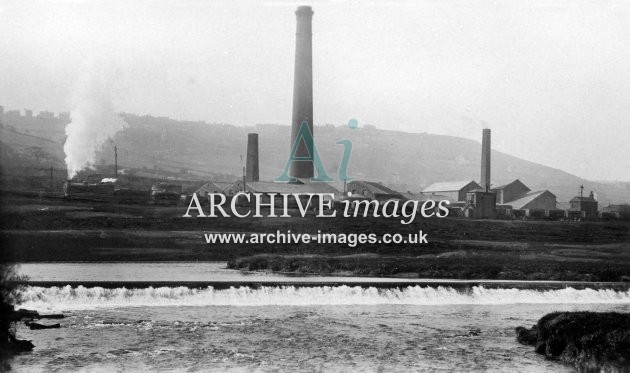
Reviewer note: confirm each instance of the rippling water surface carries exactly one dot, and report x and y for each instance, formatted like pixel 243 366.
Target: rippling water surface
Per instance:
pixel 296 329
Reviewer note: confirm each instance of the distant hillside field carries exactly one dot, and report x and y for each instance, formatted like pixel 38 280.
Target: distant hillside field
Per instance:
pixel 404 161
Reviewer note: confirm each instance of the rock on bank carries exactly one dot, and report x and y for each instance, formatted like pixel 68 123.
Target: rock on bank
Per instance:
pixel 588 340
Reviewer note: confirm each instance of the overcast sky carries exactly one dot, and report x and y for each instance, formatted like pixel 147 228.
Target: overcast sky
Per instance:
pixel 551 78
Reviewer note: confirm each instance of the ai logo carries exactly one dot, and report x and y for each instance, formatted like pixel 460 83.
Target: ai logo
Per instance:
pixel 305 135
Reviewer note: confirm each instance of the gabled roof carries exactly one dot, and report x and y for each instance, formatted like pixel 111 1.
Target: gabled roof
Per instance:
pixel 513 183
pixel 305 187
pixel 415 196
pixel 527 198
pixel 211 187
pixel 223 185
pixel 449 186
pixel 375 187
pixel 424 197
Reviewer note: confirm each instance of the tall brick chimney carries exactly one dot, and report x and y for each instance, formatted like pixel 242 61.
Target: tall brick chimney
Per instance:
pixel 485 160
pixel 303 90
pixel 251 167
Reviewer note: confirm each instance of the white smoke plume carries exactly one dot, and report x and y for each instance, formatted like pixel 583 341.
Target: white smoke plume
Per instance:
pixel 94 120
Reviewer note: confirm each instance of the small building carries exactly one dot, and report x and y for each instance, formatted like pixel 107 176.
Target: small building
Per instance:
pixel 510 192
pixel 616 212
pixel 373 190
pixel 480 204
pixel 454 191
pixel 586 206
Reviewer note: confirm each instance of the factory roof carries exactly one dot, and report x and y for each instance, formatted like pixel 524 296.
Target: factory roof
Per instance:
pixel 213 187
pixel 515 182
pixel 423 197
pixel 527 198
pixel 380 187
pixel 301 187
pixel 376 187
pixel 449 186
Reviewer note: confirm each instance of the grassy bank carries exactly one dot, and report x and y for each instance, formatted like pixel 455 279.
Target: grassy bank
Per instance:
pixel 464 264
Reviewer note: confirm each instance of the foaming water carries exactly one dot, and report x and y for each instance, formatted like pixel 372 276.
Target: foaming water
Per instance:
pixel 289 329
pixel 305 338
pixel 82 298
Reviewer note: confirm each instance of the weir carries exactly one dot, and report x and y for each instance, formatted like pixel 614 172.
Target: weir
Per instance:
pixel 82 298
pixel 387 283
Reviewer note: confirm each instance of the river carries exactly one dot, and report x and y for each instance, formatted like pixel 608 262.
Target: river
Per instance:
pixel 284 328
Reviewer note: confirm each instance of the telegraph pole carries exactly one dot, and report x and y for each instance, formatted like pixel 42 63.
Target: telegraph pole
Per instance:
pixel 51 179
pixel 244 181
pixel 116 161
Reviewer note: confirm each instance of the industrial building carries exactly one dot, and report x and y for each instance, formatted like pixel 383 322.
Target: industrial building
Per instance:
pixel 480 201
pixel 268 188
pixel 373 190
pixel 468 198
pixel 510 192
pixel 453 191
pixel 537 204
pixel 518 200
pixel 299 186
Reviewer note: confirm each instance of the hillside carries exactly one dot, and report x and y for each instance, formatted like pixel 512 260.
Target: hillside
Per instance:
pixel 405 161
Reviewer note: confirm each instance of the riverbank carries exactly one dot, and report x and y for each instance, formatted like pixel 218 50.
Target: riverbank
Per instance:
pixel 468 262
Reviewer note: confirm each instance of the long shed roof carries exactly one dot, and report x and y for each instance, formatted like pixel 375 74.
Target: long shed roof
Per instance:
pixel 273 187
pixel 449 186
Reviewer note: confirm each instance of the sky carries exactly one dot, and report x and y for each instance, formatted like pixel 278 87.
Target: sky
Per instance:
pixel 551 78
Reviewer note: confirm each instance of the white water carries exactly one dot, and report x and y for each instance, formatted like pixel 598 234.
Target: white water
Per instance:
pixel 82 298
pixel 288 329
